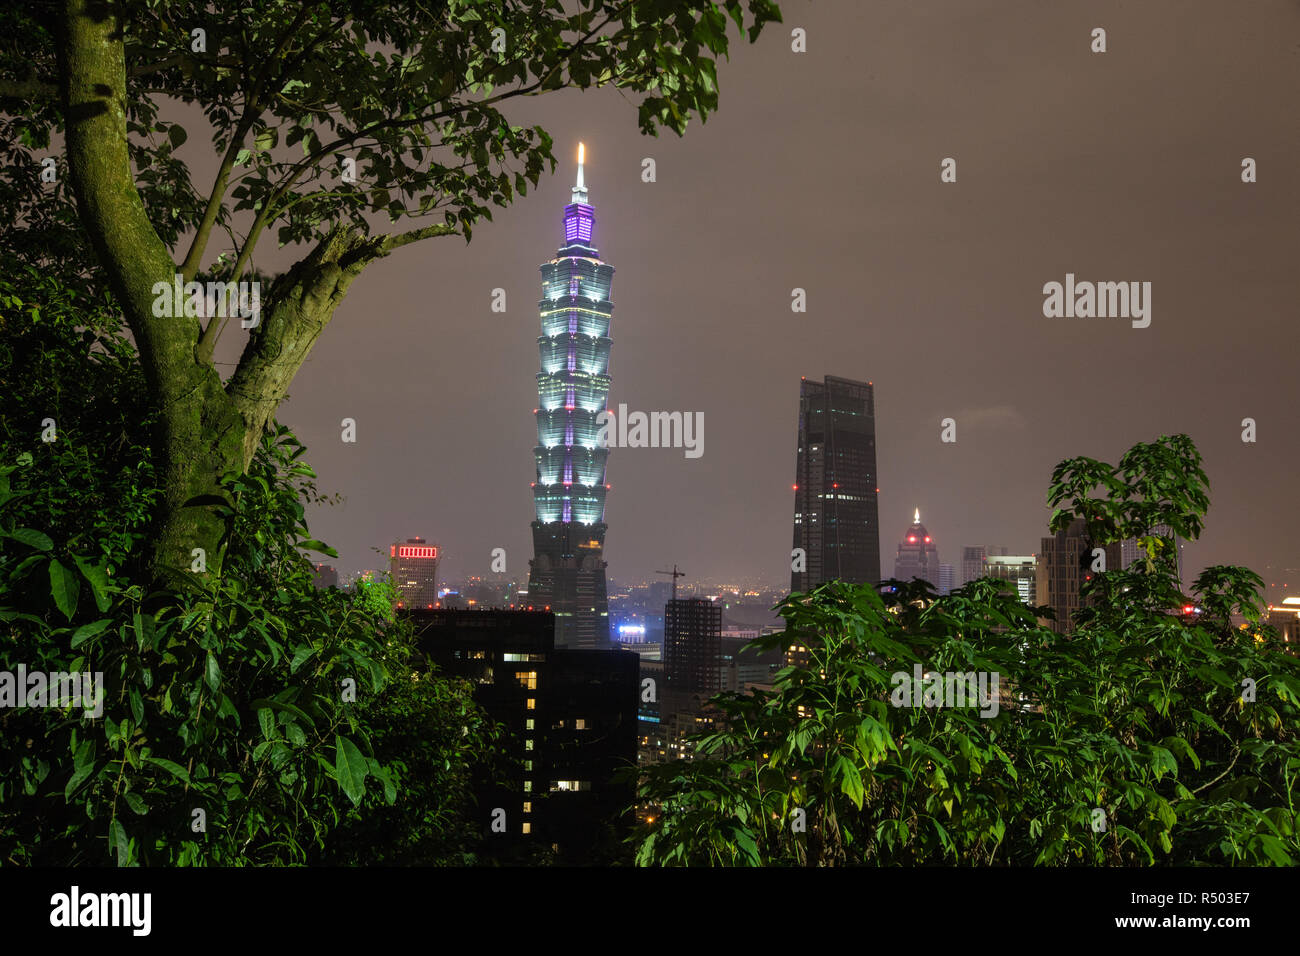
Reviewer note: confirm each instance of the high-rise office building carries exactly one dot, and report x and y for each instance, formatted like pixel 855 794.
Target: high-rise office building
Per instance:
pixel 947 578
pixel 567 572
pixel 692 645
pixel 571 725
pixel 413 567
pixel 918 556
pixel 1021 571
pixel 1286 618
pixel 972 563
pixel 1065 562
pixel 836 517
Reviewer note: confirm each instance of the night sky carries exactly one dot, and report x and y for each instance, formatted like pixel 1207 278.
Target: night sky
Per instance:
pixel 822 171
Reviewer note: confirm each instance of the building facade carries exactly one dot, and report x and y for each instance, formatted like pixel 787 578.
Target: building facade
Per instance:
pixel 571 721
pixel 947 579
pixel 918 555
pixel 692 645
pixel 1020 571
pixel 567 572
pixel 836 515
pixel 413 568
pixel 1065 563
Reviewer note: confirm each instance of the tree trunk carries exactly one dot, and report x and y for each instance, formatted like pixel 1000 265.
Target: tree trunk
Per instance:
pixel 205 429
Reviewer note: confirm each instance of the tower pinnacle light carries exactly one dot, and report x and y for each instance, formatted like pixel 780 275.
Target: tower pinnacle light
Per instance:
pixel 580 187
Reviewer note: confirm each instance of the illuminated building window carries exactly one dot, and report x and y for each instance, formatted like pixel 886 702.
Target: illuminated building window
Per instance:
pixel 528 724
pixel 571 785
pixel 528 806
pixel 528 786
pixel 580 724
pixel 528 827
pixel 528 744
pixel 530 704
pixel 527 679
pixel 528 766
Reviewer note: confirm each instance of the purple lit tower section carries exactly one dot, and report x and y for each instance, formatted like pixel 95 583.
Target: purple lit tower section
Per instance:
pixel 567 573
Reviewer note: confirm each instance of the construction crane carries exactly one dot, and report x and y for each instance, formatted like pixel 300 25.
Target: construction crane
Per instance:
pixel 675 575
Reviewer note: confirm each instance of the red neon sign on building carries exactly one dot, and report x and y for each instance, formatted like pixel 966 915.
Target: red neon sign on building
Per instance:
pixel 411 551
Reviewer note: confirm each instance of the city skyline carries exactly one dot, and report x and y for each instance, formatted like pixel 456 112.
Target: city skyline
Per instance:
pixel 909 282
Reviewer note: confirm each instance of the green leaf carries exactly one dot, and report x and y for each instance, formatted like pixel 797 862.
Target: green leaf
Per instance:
pixel 31 537
pixel 78 777
pixel 97 577
pixel 350 769
pixel 212 673
pixel 175 769
pixel 144 629
pixel 322 547
pixel 303 652
pixel 117 839
pixel 87 631
pixel 135 802
pixel 266 719
pixel 63 588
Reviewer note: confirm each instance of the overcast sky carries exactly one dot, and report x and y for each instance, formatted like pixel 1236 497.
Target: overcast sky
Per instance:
pixel 822 171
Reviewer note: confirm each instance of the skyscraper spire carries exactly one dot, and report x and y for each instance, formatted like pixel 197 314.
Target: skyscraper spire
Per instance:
pixel 917 517
pixel 580 187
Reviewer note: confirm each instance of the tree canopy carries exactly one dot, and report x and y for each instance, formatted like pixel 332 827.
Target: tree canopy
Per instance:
pixel 1149 736
pixel 351 127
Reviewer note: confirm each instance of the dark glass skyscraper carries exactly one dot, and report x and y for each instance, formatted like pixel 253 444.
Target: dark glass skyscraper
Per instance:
pixel 836 520
pixel 692 645
pixel 567 572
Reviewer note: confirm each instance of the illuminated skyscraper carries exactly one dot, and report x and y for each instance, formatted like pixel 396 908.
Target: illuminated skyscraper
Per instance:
pixel 836 526
pixel 413 567
pixel 567 573
pixel 918 557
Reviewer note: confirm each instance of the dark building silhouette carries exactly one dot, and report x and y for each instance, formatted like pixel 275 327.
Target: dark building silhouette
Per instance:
pixel 692 645
pixel 1064 563
pixel 567 572
pixel 413 567
pixel 918 555
pixel 571 717
pixel 325 576
pixel 836 518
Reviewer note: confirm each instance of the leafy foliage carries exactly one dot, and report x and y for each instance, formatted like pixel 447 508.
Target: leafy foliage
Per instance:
pixel 1142 721
pixel 279 711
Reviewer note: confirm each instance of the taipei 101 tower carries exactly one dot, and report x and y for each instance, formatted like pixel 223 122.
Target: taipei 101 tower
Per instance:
pixel 567 572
